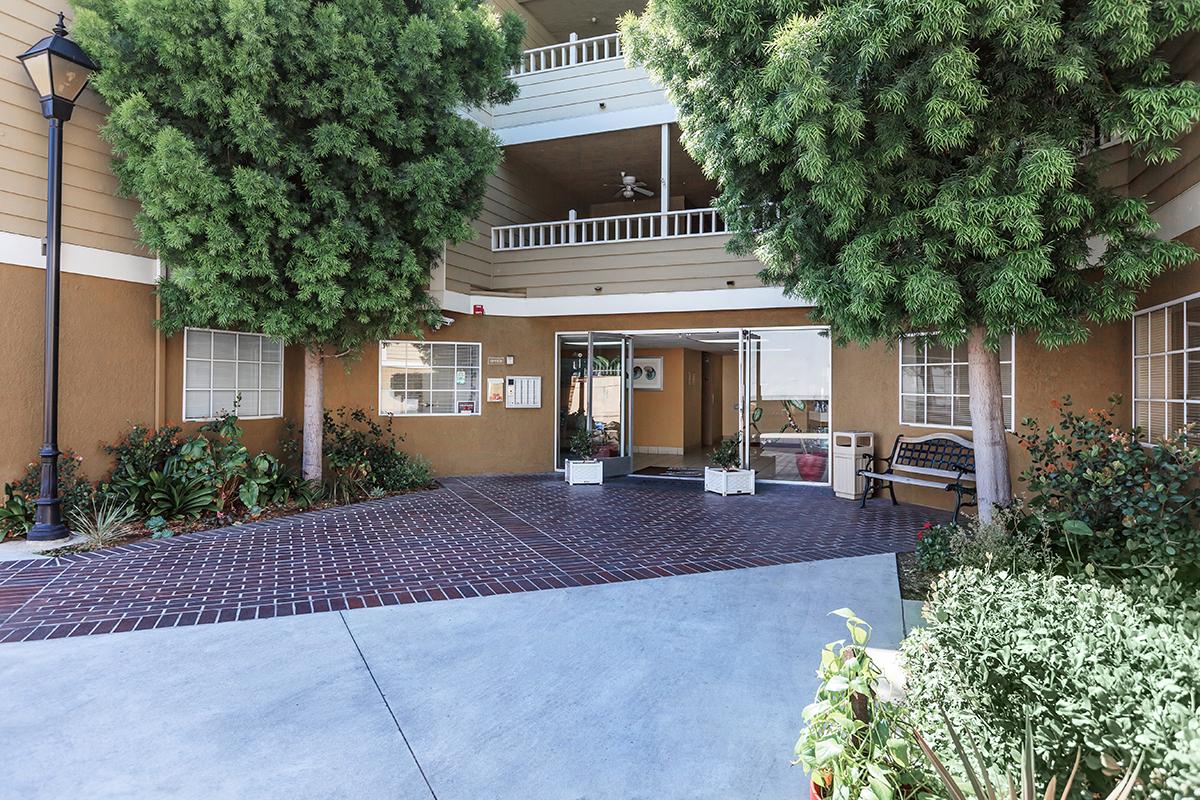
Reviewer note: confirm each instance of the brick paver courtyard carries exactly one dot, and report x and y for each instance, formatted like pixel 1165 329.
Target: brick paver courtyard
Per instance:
pixel 473 537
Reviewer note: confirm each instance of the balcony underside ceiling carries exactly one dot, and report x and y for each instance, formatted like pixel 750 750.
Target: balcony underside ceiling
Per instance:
pixel 564 17
pixel 587 170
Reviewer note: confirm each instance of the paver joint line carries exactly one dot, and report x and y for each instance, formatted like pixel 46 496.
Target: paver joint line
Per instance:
pixel 461 541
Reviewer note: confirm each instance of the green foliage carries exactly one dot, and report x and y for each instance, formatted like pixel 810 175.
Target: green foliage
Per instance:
pixel 922 165
pixel 727 455
pixel 176 493
pixel 979 774
pixel 1096 666
pixel 102 524
pixel 363 455
pixel 158 473
pixel 158 528
pixel 300 165
pixel 138 453
pixel 1013 540
pixel 855 744
pixel 583 445
pixel 1116 505
pixel 933 546
pixel 17 513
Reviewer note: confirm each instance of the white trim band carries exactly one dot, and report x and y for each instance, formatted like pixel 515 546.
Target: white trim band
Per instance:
pixel 26 251
pixel 641 303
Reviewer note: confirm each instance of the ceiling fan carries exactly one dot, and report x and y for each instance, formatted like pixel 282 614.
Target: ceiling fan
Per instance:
pixel 631 187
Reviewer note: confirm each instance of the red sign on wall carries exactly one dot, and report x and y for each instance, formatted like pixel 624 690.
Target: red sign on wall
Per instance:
pixel 478 309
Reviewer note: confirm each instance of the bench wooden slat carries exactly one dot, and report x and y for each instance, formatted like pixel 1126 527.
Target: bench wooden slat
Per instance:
pixel 891 476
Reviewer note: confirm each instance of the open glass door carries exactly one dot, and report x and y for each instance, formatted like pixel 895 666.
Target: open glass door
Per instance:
pixel 749 354
pixel 609 400
pixel 595 393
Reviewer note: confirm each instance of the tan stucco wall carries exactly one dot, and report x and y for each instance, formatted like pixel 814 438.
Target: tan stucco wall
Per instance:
pixel 106 365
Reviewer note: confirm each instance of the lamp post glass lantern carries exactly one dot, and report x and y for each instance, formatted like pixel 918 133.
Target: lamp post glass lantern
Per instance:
pixel 59 70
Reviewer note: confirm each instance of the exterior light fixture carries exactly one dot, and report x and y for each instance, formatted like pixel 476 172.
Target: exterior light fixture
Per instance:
pixel 59 70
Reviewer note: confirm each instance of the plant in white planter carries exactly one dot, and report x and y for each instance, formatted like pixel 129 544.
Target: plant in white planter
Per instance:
pixel 583 466
pixel 726 476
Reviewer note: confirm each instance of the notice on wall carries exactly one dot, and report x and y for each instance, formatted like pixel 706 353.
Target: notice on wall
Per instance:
pixel 495 390
pixel 495 361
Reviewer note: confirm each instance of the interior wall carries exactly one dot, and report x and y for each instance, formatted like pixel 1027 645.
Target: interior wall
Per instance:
pixel 712 400
pixel 692 398
pixel 658 416
pixel 729 392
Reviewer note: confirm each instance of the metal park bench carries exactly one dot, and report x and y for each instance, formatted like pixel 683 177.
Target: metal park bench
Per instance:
pixel 938 461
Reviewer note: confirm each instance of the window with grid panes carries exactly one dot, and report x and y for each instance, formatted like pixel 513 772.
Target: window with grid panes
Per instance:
pixel 1166 369
pixel 224 371
pixel 934 388
pixel 428 378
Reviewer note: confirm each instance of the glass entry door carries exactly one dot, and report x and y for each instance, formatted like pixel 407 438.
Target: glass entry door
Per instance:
pixel 749 350
pixel 596 395
pixel 786 375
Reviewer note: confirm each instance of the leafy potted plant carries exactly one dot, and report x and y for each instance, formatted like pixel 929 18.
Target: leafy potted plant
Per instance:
pixel 857 744
pixel 726 476
pixel 583 467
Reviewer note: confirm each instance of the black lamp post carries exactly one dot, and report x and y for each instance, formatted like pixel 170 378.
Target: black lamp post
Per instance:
pixel 59 70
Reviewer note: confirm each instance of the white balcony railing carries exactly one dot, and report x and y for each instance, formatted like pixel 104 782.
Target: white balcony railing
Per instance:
pixel 597 230
pixel 568 54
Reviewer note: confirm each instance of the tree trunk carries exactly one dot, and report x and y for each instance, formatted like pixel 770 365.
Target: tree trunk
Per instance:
pixel 314 414
pixel 987 424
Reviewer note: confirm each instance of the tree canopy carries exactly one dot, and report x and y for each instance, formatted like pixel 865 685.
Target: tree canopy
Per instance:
pixel 300 164
pixel 924 164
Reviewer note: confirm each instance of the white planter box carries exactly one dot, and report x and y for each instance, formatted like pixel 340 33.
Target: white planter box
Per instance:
pixel 585 472
pixel 727 482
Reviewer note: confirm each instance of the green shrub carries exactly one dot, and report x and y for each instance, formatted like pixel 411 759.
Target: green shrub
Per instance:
pixel 137 454
pixel 1092 664
pixel 1116 504
pixel 363 455
pixel 17 513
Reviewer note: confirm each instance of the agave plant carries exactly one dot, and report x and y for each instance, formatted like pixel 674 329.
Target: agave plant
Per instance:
pixel 980 780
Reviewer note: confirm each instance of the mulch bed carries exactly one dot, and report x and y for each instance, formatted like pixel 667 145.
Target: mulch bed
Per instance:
pixel 914 583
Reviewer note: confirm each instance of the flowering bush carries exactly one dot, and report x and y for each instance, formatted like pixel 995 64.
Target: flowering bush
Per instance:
pixel 933 546
pixel 1114 503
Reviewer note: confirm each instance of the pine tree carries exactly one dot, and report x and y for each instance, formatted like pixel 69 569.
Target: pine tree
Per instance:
pixel 300 164
pixel 924 165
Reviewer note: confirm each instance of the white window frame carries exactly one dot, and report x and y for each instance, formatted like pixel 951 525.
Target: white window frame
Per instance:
pixel 1190 345
pixel 262 337
pixel 901 394
pixel 479 388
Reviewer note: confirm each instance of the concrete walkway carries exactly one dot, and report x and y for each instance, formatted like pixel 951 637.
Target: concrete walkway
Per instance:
pixel 677 687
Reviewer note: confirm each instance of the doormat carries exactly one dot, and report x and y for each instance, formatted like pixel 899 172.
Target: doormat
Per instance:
pixel 671 472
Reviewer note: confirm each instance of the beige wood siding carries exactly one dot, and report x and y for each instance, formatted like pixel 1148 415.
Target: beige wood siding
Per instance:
pixel 659 265
pixel 536 34
pixel 517 193
pixel 92 213
pixel 578 91
pixel 1161 183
